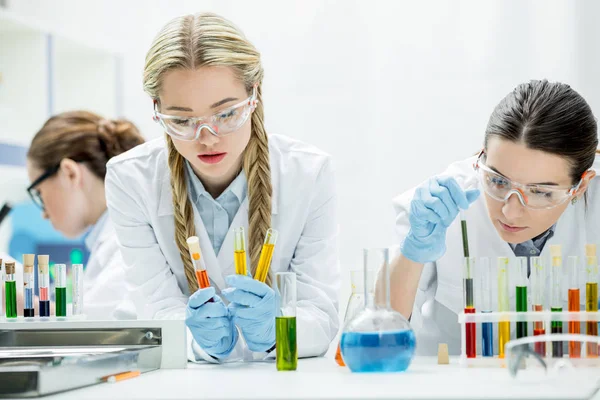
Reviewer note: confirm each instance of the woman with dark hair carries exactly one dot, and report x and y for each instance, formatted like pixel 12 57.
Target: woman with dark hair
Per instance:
pixel 66 164
pixel 536 174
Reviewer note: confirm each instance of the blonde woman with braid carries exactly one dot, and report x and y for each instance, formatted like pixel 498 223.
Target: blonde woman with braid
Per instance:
pixel 216 169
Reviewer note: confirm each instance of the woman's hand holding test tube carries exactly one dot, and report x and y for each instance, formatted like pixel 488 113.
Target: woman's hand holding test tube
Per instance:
pixel 253 307
pixel 434 207
pixel 210 323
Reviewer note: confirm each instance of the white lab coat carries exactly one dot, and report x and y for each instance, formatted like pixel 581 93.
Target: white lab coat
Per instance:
pixel 105 289
pixel 439 296
pixel 139 199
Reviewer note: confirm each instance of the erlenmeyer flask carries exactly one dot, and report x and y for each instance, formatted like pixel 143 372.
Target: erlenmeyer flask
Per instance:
pixel 378 339
pixel 356 303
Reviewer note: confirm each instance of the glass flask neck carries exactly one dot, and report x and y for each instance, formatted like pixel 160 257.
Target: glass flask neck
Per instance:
pixel 377 260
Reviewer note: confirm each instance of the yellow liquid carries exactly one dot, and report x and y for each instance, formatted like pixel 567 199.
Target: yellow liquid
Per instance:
pixel 591 304
pixel 264 262
pixel 240 262
pixel 503 337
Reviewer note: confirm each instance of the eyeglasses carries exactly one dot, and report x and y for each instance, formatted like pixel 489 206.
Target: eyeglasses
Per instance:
pixel 537 197
pixel 220 124
pixel 34 193
pixel 526 364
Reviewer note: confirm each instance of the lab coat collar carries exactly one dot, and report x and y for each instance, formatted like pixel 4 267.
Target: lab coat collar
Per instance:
pixel 97 233
pixel 165 207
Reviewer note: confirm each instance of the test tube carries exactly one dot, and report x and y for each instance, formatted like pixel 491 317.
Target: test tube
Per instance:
pixel 285 322
pixel 264 262
pixel 503 304
pixel 573 304
pixel 77 289
pixel 591 295
pixel 28 282
pixel 521 294
pixel 60 289
pixel 239 241
pixel 487 328
pixel 465 237
pixel 44 285
pixel 470 327
pixel 1 287
pixel 538 280
pixel 201 276
pixel 10 286
pixel 556 301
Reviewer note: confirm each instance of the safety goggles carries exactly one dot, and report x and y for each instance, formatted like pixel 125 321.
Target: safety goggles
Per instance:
pixel 220 124
pixel 537 197
pixel 526 364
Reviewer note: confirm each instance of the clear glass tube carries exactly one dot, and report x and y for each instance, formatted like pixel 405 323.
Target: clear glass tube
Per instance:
pixel 521 294
pixel 28 283
pixel 503 304
pixel 487 328
pixel 285 322
pixel 196 255
pixel 538 284
pixel 266 255
pixel 591 296
pixel 10 287
pixel 556 300
pixel 77 289
pixel 239 248
pixel 44 285
pixel 378 260
pixel 60 289
pixel 468 280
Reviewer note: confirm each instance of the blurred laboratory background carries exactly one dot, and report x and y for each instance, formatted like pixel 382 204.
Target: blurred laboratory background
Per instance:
pixel 393 90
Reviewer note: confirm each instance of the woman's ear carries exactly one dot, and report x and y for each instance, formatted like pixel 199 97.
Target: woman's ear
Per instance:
pixel 585 182
pixel 71 172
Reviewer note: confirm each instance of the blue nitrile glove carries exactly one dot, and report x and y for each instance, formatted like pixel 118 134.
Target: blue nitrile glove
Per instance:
pixel 253 307
pixel 433 208
pixel 210 323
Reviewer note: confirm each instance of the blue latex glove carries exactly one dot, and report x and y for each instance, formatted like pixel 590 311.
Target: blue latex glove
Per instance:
pixel 210 323
pixel 433 208
pixel 253 307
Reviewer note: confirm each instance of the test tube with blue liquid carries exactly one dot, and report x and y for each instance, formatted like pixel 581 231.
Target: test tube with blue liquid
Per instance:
pixel 487 328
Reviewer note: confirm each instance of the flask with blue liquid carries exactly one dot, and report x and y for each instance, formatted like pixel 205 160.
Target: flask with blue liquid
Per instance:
pixel 378 339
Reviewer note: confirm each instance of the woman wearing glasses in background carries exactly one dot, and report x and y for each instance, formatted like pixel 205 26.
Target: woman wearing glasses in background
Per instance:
pixel 66 164
pixel 215 170
pixel 536 174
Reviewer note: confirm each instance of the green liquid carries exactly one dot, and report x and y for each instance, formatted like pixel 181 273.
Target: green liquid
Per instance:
pixel 521 307
pixel 11 299
pixel 285 340
pixel 61 301
pixel 557 324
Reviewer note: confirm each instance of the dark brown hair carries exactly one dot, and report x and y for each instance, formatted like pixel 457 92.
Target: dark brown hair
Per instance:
pixel 551 117
pixel 84 137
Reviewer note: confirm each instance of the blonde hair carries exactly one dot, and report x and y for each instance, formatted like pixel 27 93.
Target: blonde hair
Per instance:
pixel 195 41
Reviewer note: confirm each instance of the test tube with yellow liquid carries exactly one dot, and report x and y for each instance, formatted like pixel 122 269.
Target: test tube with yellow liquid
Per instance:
pixel 266 255
pixel 556 299
pixel 239 249
pixel 503 304
pixel 591 295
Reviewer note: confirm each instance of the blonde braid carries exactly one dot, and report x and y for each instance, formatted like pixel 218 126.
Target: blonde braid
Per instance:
pixel 184 216
pixel 258 172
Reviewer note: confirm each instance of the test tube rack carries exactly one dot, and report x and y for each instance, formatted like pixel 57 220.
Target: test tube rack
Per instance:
pixel 547 317
pixel 37 318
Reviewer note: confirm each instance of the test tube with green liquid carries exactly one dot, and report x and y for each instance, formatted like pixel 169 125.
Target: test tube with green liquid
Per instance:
pixel 285 323
pixel 10 288
pixel 60 289
pixel 521 294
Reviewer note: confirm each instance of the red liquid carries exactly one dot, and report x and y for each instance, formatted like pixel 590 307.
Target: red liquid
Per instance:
pixel 471 335
pixel 338 357
pixel 574 326
pixel 540 348
pixel 43 294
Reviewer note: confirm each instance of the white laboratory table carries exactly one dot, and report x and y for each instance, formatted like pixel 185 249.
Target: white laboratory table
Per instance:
pixel 321 378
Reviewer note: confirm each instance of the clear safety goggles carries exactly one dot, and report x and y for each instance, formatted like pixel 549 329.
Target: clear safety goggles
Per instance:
pixel 537 197
pixel 220 124
pixel 525 362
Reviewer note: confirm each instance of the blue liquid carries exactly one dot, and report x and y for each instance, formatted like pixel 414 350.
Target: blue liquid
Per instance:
pixel 28 298
pixel 487 339
pixel 378 351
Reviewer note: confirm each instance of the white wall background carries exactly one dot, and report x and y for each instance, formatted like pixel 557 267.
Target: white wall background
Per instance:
pixel 394 90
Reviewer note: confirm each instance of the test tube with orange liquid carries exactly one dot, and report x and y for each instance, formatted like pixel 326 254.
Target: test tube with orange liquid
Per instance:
pixel 194 247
